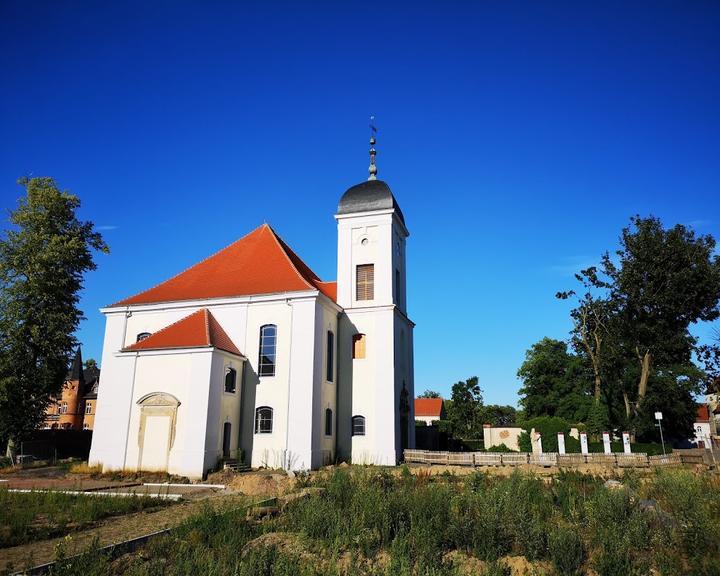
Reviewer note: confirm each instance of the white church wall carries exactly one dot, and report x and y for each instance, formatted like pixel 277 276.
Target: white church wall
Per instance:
pixel 114 398
pixel 376 231
pixel 267 450
pixel 303 385
pixel 223 407
pixel 404 377
pixel 185 374
pixel 328 388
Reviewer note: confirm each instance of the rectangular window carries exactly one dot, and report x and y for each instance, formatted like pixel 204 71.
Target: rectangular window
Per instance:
pixel 365 282
pixel 330 350
pixel 88 408
pixel 358 346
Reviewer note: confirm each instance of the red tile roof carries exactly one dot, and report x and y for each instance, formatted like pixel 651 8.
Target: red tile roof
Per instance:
pixel 703 413
pixel 258 263
pixel 199 330
pixel 428 406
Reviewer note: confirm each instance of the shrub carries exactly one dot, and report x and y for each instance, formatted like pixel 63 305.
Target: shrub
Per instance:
pixel 500 448
pixel 566 550
pixel 548 427
pixel 83 468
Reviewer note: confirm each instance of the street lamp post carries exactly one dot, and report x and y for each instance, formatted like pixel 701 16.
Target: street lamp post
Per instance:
pixel 658 417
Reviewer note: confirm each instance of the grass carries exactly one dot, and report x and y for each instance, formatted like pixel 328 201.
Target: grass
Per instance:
pixel 364 521
pixel 28 517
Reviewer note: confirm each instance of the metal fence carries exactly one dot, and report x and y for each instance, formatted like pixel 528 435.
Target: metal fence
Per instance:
pixel 548 459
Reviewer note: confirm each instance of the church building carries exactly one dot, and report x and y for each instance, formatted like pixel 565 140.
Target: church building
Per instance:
pixel 249 355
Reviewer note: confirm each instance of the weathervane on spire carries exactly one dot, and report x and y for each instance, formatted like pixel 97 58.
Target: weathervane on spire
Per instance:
pixel 373 152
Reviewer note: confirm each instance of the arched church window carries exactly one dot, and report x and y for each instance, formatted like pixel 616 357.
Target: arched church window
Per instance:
pixel 268 346
pixel 328 422
pixel 142 336
pixel 230 380
pixel 263 420
pixel 358 425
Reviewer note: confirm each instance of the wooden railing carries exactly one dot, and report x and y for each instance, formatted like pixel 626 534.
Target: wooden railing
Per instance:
pixel 547 459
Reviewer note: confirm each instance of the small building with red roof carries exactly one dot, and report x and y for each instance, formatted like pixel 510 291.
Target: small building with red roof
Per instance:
pixel 429 410
pixel 249 355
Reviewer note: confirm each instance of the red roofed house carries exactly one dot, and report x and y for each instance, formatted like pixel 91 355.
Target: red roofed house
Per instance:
pixel 249 354
pixel 703 427
pixel 429 410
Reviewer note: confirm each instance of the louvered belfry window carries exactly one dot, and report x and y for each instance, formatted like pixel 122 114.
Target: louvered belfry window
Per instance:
pixel 365 282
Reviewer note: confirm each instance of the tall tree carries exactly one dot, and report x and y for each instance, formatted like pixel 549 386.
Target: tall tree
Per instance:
pixel 663 280
pixel 43 257
pixel 464 409
pixel 556 382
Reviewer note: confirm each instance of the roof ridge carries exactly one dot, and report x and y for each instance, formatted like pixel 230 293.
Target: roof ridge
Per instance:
pixel 207 326
pixel 281 244
pixel 191 266
pixel 166 328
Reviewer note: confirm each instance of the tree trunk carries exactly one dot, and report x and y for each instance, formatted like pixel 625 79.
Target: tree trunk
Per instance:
pixel 11 451
pixel 627 405
pixel 645 365
pixel 598 387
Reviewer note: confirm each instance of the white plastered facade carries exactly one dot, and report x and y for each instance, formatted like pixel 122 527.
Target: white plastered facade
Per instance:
pixel 168 409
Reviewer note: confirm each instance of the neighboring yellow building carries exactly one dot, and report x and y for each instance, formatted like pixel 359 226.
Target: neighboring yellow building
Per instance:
pixel 76 407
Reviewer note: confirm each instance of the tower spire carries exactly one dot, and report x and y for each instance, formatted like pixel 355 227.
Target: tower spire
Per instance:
pixel 373 168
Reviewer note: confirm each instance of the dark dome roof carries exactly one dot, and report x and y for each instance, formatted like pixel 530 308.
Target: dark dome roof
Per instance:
pixel 368 196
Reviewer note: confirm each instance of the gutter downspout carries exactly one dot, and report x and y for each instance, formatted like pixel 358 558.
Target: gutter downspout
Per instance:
pixel 286 459
pixel 129 416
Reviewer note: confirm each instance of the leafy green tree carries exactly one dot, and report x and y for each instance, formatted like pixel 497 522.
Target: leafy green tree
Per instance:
pixel 429 394
pixel 671 390
pixel 464 410
pixel 43 258
pixel 498 415
pixel 632 320
pixel 91 363
pixel 556 382
pixel 663 280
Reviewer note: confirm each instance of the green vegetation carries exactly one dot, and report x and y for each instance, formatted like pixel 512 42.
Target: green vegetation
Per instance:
pixel 43 258
pixel 27 517
pixel 371 522
pixel 631 348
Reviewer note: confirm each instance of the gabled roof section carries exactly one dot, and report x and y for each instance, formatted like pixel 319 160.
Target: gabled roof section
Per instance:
pixel 428 406
pixel 199 330
pixel 258 263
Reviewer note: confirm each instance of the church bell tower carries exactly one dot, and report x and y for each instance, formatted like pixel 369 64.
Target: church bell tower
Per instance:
pixel 376 390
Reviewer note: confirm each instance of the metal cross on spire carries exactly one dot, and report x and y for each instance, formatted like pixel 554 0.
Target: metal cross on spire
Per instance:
pixel 373 168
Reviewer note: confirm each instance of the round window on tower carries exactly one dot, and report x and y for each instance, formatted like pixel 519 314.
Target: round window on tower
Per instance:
pixel 364 241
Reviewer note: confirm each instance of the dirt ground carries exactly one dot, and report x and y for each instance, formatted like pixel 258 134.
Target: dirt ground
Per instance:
pixel 267 483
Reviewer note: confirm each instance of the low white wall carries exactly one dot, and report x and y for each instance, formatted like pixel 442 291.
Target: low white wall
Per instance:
pixel 508 435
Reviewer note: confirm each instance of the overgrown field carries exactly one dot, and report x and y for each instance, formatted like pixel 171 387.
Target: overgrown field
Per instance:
pixel 28 517
pixel 363 521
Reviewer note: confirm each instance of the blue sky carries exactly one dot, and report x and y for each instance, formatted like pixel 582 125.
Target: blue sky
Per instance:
pixel 518 137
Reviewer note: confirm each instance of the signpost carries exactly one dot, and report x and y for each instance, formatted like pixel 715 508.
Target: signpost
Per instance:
pixel 658 417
